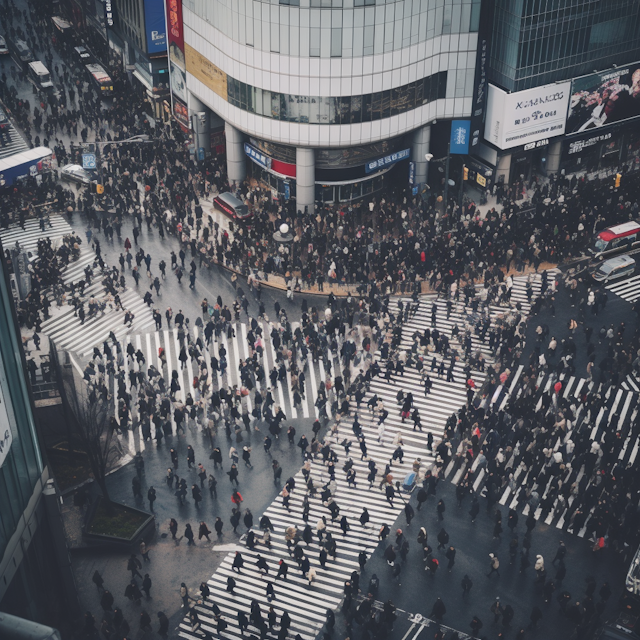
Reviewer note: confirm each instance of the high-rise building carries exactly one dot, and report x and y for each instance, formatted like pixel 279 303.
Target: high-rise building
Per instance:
pixel 34 584
pixel 563 86
pixel 323 99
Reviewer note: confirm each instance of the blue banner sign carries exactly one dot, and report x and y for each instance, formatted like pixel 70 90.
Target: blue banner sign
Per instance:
pixel 381 163
pixel 257 156
pixel 460 132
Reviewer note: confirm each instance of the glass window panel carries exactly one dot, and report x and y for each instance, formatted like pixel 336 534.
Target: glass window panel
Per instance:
pixel 334 117
pixel 336 42
pixel 442 84
pixel 258 102
pixel 366 108
pixel 395 101
pixel 344 107
pixel 314 42
pixel 314 110
pixel 266 103
pixel 356 109
pixel 376 106
pixel 304 108
pixel 325 110
pixel 386 104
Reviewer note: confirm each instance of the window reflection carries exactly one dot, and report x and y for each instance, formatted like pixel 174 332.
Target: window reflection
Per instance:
pixel 342 110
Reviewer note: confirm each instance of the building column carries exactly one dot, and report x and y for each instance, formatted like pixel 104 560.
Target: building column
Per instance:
pixel 236 158
pixel 305 178
pixel 419 148
pixel 504 168
pixel 553 157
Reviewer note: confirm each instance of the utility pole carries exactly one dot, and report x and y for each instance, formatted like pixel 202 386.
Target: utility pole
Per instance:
pixel 446 177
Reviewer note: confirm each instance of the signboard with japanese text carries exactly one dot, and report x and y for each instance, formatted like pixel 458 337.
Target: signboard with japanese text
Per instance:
pixel 381 163
pixel 205 71
pixel 579 145
pixel 460 132
pixel 601 99
pixel 515 119
pixel 257 156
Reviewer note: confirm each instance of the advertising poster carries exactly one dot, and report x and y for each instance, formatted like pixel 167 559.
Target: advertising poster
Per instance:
pixel 601 99
pixel 207 72
pixel 180 112
pixel 155 26
pixel 175 34
pixel 516 119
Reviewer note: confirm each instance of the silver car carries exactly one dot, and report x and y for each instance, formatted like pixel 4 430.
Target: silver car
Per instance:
pixel 3 46
pixel 75 173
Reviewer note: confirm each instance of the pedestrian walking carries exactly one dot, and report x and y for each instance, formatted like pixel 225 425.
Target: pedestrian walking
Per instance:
pixel 494 565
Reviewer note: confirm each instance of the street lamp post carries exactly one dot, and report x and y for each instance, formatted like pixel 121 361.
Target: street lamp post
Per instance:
pixel 446 176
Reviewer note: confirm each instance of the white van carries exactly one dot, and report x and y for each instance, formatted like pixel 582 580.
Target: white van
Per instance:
pixel 615 268
pixel 39 75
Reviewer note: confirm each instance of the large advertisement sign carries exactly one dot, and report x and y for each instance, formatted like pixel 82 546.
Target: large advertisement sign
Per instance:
pixel 175 34
pixel 515 119
pixel 177 63
pixel 601 99
pixel 205 71
pixel 155 26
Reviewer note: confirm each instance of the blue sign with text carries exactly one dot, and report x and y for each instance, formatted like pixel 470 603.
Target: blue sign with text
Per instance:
pixel 460 132
pixel 155 26
pixel 88 160
pixel 257 156
pixel 381 163
pixel 287 191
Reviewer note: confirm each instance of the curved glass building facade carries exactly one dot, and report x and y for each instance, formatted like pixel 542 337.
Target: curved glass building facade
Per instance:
pixel 315 75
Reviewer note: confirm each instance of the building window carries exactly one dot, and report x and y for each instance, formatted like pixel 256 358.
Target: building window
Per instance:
pixel 340 110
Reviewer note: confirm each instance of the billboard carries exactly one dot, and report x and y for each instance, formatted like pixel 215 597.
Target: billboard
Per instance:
pixel 205 71
pixel 515 119
pixel 177 65
pixel 601 99
pixel 155 26
pixel 175 32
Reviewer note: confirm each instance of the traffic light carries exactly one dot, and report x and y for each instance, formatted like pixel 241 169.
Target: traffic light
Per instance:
pixel 618 179
pixel 465 173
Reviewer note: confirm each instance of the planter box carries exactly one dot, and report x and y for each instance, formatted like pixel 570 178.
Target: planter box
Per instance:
pixel 124 528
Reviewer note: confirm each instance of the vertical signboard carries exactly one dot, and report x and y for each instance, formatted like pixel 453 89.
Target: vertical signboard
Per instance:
pixel 480 81
pixel 155 28
pixel 177 66
pixel 460 131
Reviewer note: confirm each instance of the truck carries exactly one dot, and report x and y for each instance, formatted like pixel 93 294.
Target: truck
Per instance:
pixel 33 162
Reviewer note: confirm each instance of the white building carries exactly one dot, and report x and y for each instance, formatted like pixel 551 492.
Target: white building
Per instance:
pixel 321 98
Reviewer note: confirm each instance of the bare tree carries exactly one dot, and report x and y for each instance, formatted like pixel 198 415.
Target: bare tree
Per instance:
pixel 94 429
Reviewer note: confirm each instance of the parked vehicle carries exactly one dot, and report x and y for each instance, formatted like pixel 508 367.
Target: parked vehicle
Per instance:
pixel 4 50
